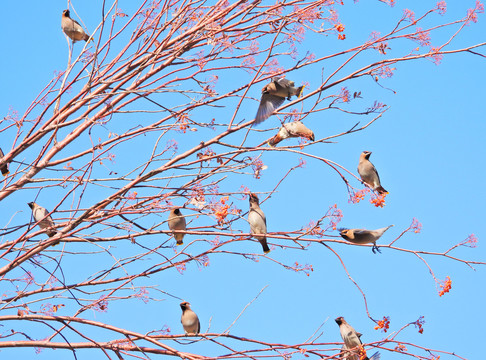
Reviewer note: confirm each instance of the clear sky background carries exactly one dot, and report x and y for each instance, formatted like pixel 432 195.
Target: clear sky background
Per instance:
pixel 428 148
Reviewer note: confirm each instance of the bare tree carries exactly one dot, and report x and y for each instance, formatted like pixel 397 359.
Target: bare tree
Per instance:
pixel 154 114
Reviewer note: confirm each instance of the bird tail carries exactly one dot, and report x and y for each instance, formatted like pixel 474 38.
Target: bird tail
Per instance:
pixel 88 38
pixel 179 240
pixel 381 190
pixel 265 247
pixel 5 172
pixel 52 233
pixel 385 229
pixel 300 90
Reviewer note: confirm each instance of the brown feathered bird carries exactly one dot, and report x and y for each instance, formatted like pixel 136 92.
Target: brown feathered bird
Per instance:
pixel 72 28
pixel 362 236
pixel 258 222
pixel 369 174
pixel 177 222
pixel 292 129
pixel 273 96
pixel 4 168
pixel 189 319
pixel 352 348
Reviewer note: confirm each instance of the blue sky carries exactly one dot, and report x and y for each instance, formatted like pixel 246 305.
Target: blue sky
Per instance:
pixel 428 148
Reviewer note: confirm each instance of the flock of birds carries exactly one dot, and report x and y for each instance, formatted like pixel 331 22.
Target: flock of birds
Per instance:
pixel 273 96
pixel 352 348
pixel 258 221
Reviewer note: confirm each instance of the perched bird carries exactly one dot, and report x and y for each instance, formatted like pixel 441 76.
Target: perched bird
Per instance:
pixel 273 96
pixel 72 28
pixel 292 129
pixel 41 215
pixel 177 222
pixel 4 168
pixel 258 222
pixel 352 343
pixel 189 319
pixel 368 173
pixel 362 236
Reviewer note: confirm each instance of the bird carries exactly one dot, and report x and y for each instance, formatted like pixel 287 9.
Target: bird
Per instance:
pixel 258 222
pixel 72 28
pixel 274 94
pixel 352 342
pixel 292 129
pixel 4 168
pixel 44 220
pixel 368 173
pixel 362 236
pixel 177 222
pixel 189 319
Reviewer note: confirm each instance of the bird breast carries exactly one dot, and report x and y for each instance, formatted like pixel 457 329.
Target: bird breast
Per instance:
pixel 189 319
pixel 257 222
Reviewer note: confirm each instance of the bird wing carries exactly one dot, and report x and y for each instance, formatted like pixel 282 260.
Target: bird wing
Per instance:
pixel 276 79
pixel 268 104
pixel 258 215
pixel 77 23
pixel 372 171
pixel 376 172
pixel 283 82
pixel 367 171
pixel 68 21
pixel 360 231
